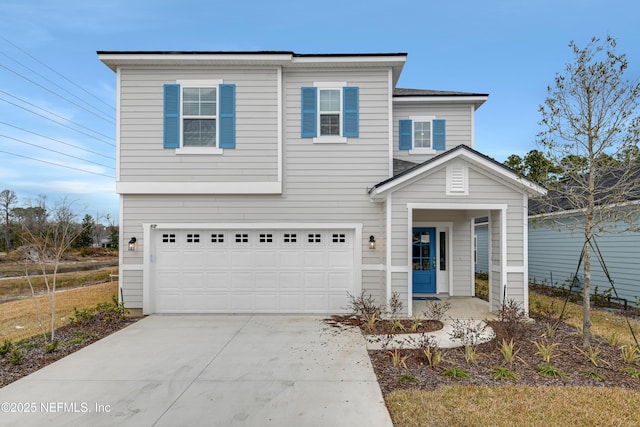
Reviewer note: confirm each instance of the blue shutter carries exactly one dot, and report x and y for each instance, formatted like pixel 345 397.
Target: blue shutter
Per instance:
pixel 350 104
pixel 406 140
pixel 309 122
pixel 171 116
pixel 227 116
pixel 439 139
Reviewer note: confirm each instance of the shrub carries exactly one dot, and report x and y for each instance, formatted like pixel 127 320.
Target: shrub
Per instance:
pixel 550 371
pixel 545 350
pixel 456 373
pixel 16 357
pixel 395 305
pixel 501 373
pixel 468 331
pixel 6 347
pixel 52 346
pixel 436 310
pixel 364 306
pixel 508 350
pixel 112 311
pixel 512 316
pixel 630 354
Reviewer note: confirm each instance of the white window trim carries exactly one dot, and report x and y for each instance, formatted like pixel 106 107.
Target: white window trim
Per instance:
pixel 200 150
pixel 329 139
pixel 421 150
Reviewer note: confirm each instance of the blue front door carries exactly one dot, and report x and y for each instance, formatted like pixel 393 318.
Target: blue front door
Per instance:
pixel 424 260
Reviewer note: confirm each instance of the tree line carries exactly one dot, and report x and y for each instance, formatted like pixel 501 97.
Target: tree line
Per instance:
pixel 39 218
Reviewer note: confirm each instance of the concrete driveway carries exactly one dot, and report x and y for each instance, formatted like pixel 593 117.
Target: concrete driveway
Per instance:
pixel 243 370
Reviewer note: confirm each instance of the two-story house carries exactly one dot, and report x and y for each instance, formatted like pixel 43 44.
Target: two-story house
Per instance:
pixel 280 182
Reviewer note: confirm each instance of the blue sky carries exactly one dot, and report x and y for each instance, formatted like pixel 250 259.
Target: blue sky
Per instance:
pixel 509 49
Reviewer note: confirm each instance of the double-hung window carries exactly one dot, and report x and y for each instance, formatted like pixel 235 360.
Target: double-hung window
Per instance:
pixel 330 112
pixel 199 116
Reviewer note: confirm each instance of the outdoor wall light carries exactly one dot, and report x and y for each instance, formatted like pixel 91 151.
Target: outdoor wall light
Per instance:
pixel 372 242
pixel 132 244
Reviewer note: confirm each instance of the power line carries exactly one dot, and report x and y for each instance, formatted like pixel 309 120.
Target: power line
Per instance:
pixel 56 72
pixel 55 121
pixel 57 140
pixel 55 151
pixel 53 83
pixel 52 113
pixel 56 164
pixel 58 95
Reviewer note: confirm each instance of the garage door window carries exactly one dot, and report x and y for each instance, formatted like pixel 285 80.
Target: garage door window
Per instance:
pixel 217 238
pixel 266 238
pixel 315 238
pixel 242 238
pixel 290 238
pixel 193 238
pixel 339 238
pixel 168 238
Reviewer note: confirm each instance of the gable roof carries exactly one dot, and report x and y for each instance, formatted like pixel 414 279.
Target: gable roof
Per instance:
pixel 461 151
pixel 620 184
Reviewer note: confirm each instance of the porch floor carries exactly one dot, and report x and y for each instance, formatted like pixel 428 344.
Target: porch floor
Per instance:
pixel 461 308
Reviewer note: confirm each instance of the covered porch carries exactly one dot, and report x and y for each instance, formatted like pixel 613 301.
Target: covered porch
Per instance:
pixel 430 214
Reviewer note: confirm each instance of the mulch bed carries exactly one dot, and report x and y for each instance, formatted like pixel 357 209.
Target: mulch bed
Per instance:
pixel 71 338
pixel 385 326
pixel 567 357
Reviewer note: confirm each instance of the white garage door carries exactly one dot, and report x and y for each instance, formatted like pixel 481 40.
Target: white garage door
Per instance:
pixel 252 271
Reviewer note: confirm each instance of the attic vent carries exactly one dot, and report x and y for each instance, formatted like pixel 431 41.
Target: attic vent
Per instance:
pixel 457 180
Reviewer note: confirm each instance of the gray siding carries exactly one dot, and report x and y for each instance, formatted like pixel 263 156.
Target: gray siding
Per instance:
pixel 483 189
pixel 459 126
pixel 142 156
pixel 322 183
pixel 555 252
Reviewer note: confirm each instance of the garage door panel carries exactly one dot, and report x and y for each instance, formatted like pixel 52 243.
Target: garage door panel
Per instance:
pixel 169 258
pixel 315 258
pixel 266 281
pixel 219 281
pixel 268 271
pixel 215 302
pixel 291 280
pixel 264 259
pixel 267 303
pixel 242 302
pixel 314 303
pixel 218 257
pixel 340 280
pixel 340 259
pixel 291 303
pixel 193 258
pixel 315 281
pixel 242 258
pixel 290 259
pixel 337 303
pixel 194 281
pixel 242 281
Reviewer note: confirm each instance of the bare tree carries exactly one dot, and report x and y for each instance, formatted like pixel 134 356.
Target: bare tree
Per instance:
pixel 47 242
pixel 591 125
pixel 7 199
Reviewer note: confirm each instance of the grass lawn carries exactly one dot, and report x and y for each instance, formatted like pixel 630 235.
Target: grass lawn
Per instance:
pixel 19 318
pixel 509 405
pixel 515 406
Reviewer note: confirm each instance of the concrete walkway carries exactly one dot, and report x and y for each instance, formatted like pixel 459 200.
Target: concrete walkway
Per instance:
pixel 206 371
